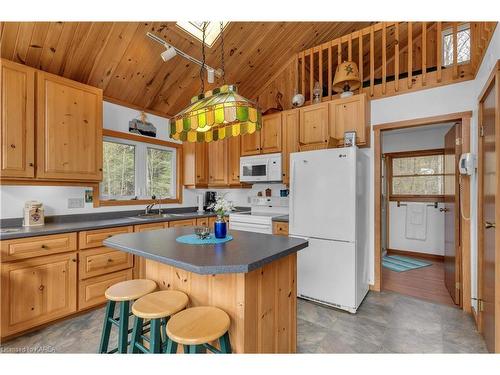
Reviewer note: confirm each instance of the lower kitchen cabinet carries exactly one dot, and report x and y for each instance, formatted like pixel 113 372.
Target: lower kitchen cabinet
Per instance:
pixel 37 291
pixel 280 228
pixel 183 223
pixel 101 261
pixel 91 291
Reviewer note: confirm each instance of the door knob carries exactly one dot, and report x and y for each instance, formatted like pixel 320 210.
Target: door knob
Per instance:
pixel 489 225
pixel 443 210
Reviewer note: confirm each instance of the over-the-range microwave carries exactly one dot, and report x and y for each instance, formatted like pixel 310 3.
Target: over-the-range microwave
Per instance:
pixel 261 168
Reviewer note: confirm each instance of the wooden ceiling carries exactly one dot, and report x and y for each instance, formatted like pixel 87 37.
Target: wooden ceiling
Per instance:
pixel 120 59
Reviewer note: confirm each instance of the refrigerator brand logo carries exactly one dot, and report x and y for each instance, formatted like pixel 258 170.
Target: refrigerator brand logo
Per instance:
pixel 342 155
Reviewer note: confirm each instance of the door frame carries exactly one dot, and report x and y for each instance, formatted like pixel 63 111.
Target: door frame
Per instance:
pixel 493 79
pixel 464 118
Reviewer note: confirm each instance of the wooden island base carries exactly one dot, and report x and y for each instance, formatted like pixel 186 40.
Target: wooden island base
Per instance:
pixel 262 304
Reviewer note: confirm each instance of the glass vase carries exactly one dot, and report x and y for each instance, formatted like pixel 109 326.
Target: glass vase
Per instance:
pixel 220 227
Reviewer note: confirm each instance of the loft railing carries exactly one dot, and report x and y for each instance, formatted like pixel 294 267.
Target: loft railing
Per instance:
pixel 394 57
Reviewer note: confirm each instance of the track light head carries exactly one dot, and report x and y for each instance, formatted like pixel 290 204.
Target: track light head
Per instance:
pixel 168 54
pixel 210 75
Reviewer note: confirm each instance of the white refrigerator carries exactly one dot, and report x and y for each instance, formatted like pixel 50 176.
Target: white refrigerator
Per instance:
pixel 329 206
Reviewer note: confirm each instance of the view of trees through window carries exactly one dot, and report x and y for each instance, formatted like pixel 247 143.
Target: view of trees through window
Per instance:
pixel 417 175
pixel 463 45
pixel 118 169
pixel 159 179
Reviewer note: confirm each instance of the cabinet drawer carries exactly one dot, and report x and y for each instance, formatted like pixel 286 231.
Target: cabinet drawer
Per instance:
pixel 91 291
pixel 103 260
pixel 23 248
pixel 183 223
pixel 150 226
pixel 202 221
pixel 93 238
pixel 280 229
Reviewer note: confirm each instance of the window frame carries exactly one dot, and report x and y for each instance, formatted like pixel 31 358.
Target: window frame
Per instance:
pixel 449 31
pixel 389 157
pixel 140 178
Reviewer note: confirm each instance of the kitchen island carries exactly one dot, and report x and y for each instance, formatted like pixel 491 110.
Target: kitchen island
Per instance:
pixel 252 278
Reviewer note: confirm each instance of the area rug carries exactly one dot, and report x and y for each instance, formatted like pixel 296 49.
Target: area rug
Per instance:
pixel 399 263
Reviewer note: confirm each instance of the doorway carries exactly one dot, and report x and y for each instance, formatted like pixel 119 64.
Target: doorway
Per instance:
pixel 454 264
pixel 489 213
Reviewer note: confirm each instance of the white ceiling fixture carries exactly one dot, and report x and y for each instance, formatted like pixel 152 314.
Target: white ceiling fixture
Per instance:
pixel 171 51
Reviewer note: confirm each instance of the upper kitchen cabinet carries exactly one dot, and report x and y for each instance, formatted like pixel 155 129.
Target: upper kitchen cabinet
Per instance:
pixel 265 141
pixel 69 129
pixel 195 164
pixel 313 127
pixel 234 151
pixel 350 114
pixel 290 131
pixel 17 120
pixel 218 163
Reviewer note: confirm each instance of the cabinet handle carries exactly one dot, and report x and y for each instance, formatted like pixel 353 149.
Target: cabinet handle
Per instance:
pixel 100 169
pixel 41 287
pixel 13 145
pixel 31 164
pixel 110 260
pixel 73 260
pixel 44 247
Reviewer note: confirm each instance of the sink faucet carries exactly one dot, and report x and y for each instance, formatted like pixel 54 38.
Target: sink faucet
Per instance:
pixel 149 207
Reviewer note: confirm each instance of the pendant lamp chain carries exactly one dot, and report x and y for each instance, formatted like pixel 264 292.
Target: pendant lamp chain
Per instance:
pixel 222 53
pixel 202 68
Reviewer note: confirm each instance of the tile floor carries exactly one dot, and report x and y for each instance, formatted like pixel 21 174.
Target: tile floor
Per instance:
pixel 385 323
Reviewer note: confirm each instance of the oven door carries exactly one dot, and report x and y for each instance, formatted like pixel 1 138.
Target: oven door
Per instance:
pixel 254 171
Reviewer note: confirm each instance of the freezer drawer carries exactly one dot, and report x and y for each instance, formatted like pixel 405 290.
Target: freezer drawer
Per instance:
pixel 326 273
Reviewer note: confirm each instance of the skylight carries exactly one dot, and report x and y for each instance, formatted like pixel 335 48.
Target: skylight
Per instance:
pixel 195 29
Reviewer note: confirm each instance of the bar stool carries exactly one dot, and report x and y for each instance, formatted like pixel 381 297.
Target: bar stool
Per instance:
pixel 196 327
pixel 157 307
pixel 122 292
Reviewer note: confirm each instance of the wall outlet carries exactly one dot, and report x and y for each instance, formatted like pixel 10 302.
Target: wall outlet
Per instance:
pixel 75 203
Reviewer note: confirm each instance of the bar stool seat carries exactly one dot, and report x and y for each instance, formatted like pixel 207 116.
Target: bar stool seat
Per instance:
pixel 130 290
pixel 157 307
pixel 196 327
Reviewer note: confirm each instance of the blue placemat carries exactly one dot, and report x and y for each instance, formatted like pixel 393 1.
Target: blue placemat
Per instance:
pixel 192 239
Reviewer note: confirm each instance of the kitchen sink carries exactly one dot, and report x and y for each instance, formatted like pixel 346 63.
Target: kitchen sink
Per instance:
pixel 10 230
pixel 150 216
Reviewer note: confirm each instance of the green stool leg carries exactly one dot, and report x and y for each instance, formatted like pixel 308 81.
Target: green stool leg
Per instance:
pixel 171 346
pixel 155 336
pixel 136 335
pixel 106 328
pixel 194 349
pixel 225 344
pixel 123 328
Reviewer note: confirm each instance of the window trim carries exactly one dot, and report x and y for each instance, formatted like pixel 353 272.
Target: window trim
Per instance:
pixel 413 197
pixel 449 31
pixel 149 141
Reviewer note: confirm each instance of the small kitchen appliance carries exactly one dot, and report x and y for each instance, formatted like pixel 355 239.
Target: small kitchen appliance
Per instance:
pixel 210 197
pixel 33 214
pixel 261 168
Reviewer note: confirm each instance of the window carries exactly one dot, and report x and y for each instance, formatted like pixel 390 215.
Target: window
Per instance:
pixel 416 174
pixel 195 29
pixel 463 45
pixel 134 170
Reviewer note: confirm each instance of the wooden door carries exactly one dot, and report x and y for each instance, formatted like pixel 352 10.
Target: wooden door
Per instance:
pixel 69 129
pixel 270 134
pixel 290 131
pixel 313 127
pixel 17 122
pixel 217 163
pixel 37 291
pixel 234 148
pixel 451 210
pixel 250 144
pixel 348 114
pixel 487 219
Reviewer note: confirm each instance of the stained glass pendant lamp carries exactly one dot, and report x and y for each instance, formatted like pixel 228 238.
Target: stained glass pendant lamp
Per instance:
pixel 216 114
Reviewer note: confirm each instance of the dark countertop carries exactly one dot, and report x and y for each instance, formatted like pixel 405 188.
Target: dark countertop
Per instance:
pixel 246 252
pixel 281 219
pixel 93 221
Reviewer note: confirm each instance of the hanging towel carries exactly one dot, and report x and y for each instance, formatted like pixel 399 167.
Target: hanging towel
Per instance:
pixel 416 221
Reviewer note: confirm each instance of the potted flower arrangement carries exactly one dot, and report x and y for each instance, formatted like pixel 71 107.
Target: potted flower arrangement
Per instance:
pixel 221 207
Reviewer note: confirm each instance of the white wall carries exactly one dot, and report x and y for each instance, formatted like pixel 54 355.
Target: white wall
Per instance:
pixel 425 138
pixel 55 198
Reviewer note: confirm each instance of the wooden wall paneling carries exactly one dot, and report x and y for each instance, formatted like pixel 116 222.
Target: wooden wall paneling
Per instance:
pixel 10 31
pixel 74 51
pixel 37 41
pixel 48 48
pixel 396 57
pixel 424 52
pixel 23 42
pixel 372 59
pixel 55 55
pixel 410 54
pixel 384 57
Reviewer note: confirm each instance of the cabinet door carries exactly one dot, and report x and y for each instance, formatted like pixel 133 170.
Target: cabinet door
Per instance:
pixel 195 157
pixel 250 144
pixel 17 122
pixel 182 223
pixel 37 291
pixel 313 127
pixel 201 161
pixel 69 129
pixel 270 134
pixel 217 163
pixel 290 126
pixel 234 160
pixel 347 115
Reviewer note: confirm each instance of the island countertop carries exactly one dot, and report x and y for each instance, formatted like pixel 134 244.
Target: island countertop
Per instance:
pixel 246 252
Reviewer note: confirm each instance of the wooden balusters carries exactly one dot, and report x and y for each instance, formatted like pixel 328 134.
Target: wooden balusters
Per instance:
pixel 339 53
pixel 320 64
pixel 384 57
pixel 303 75
pixel 424 52
pixel 455 50
pixel 372 60
pixel 349 48
pixel 311 74
pixel 330 78
pixel 410 55
pixel 439 50
pixel 360 59
pixel 396 56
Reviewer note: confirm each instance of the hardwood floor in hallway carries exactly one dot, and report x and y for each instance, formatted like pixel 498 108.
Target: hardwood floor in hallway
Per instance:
pixel 425 283
pixel 386 322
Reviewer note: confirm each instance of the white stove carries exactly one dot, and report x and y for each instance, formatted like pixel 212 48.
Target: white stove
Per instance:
pixel 260 218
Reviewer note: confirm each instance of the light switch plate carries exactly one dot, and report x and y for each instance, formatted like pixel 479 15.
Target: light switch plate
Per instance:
pixel 75 203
